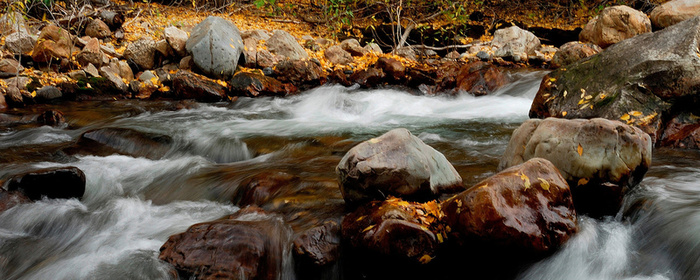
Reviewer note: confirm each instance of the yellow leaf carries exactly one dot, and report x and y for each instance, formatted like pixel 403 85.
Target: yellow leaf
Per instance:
pixel 625 117
pixel 34 93
pixel 563 114
pixel 439 238
pixel 368 228
pixel 425 259
pixel 565 93
pixel 602 96
pixel 582 181
pixel 360 218
pixel 552 80
pixel 373 140
pixel 544 184
pixel 635 113
pixel 526 180
pixel 579 150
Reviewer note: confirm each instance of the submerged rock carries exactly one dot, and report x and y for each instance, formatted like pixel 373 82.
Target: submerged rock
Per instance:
pixel 11 199
pixel 615 24
pixel 51 118
pixel 480 78
pixel 600 159
pixel 56 182
pixel 262 187
pixel 250 244
pixel 216 47
pixel 319 245
pixel 396 163
pixel 253 84
pixel 526 209
pixel 106 141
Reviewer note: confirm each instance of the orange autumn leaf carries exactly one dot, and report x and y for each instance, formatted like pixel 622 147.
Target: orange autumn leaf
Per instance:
pixel 579 150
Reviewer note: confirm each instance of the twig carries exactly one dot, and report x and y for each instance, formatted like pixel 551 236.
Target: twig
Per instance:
pixel 137 15
pixel 441 48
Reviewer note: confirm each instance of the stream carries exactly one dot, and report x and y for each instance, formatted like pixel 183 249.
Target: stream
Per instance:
pixel 133 204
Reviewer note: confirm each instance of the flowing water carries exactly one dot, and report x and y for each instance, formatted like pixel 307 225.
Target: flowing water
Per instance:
pixel 133 203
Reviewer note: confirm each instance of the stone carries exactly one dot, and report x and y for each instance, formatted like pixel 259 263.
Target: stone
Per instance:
pixel 77 75
pixel 177 39
pixel 262 187
pixel 600 159
pixel 673 12
pixel 216 47
pixel 9 65
pixel 284 44
pixel 527 209
pixel 394 69
pixel 117 85
pixel 368 78
pixel 186 63
pixel 397 164
pixel 480 78
pixel 12 22
pixel 14 97
pixel 373 48
pixel 51 118
pixel 124 70
pixel 124 141
pixel 98 29
pixel 47 94
pixel 353 47
pixel 54 43
pixel 683 132
pixel 407 53
pixel 253 85
pixel 514 42
pixel 3 103
pixel 92 70
pixel 20 42
pixel 252 41
pixel 57 182
pixel 91 53
pixel 265 58
pixel 141 52
pixel 337 55
pixel 319 245
pixel 147 76
pixel 188 86
pixel 615 24
pixel 645 81
pixel 164 49
pixel 11 199
pixel 453 55
pixel 299 72
pixel 250 244
pixel 572 52
pixel 484 56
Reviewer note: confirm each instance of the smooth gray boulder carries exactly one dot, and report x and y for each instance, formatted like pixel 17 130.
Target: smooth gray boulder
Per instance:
pixel 216 47
pixel 599 158
pixel 514 42
pixel 397 164
pixel 615 24
pixel 284 44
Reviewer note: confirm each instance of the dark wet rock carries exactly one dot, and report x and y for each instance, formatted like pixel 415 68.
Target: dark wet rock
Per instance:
pixel 250 244
pixel 368 78
pixel 337 55
pixel 643 81
pixel 526 209
pixel 51 118
pixel 107 141
pixel 299 72
pixel 396 163
pixel 673 12
pixel 56 182
pixel 572 52
pixel 216 47
pixel 615 24
pixel 253 84
pixel 177 39
pixel 97 29
pixel 393 68
pixel 514 42
pixel 353 47
pixel 284 44
pixel 54 43
pixel 3 103
pixel 600 159
pixel 262 187
pixel 48 94
pixel 9 65
pixel 20 42
pixel 188 86
pixel 319 245
pixel 14 97
pixel 683 131
pixel 141 52
pixel 11 199
pixel 480 78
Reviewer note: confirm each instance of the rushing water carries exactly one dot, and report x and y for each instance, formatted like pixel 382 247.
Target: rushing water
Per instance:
pixel 132 204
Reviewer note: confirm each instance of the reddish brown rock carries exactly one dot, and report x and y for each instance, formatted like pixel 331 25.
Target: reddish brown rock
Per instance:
pixel 53 43
pixel 97 29
pixel 57 182
pixel 250 244
pixel 109 140
pixel 11 199
pixel 368 78
pixel 353 47
pixel 51 118
pixel 91 53
pixel 337 55
pixel 682 131
pixel 480 78
pixel 3 103
pixel 253 84
pixel 393 68
pixel 319 245
pixel 526 208
pixel 189 86
pixel 262 187
pixel 299 72
pixel 9 65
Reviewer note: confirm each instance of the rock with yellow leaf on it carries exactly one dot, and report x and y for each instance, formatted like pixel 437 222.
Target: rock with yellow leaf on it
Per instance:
pixel 599 158
pixel 524 210
pixel 398 164
pixel 91 53
pixel 353 47
pixel 189 86
pixel 337 55
pixel 255 84
pixel 53 43
pixel 216 47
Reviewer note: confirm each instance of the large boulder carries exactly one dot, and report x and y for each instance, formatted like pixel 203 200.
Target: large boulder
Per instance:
pixel 673 12
pixel 299 72
pixel 284 44
pixel 526 209
pixel 250 244
pixel 54 43
pixel 56 182
pixel 254 84
pixel 142 52
pixel 615 24
pixel 319 245
pixel 572 52
pixel 398 164
pixel 216 47
pixel 189 86
pixel 600 159
pixel 515 43
pixel 643 81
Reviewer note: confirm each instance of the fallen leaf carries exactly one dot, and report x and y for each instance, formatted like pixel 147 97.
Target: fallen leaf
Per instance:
pixel 425 259
pixel 582 181
pixel 544 184
pixel 625 117
pixel 526 180
pixel 579 150
pixel 635 113
pixel 565 93
pixel 563 114
pixel 368 228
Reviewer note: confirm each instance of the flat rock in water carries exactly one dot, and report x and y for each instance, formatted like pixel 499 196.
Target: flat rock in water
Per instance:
pixel 319 245
pixel 253 84
pixel 216 47
pixel 188 86
pixel 396 163
pixel 600 159
pixel 106 141
pixel 262 187
pixel 57 182
pixel 480 78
